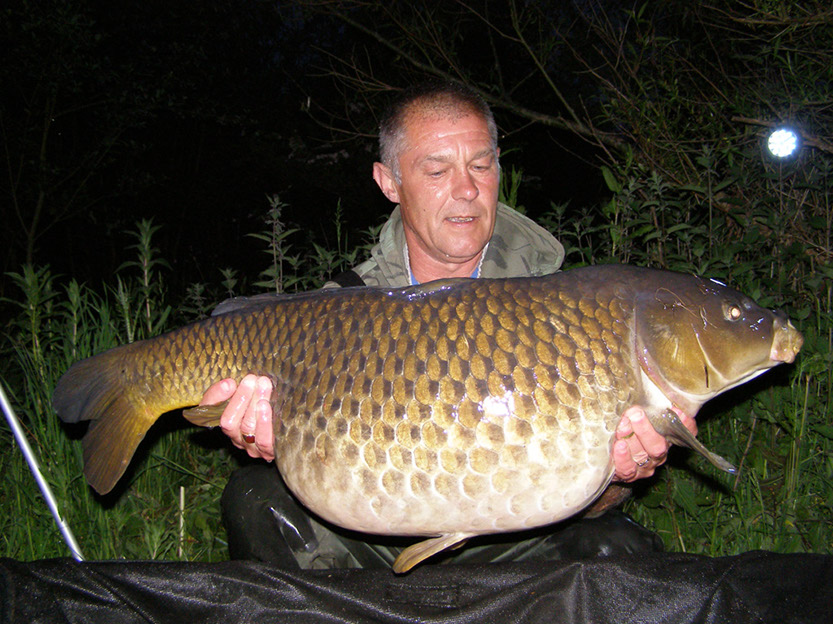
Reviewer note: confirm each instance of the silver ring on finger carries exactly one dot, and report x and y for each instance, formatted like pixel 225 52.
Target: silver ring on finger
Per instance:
pixel 642 463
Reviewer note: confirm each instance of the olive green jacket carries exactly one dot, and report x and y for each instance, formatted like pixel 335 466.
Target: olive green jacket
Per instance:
pixel 519 247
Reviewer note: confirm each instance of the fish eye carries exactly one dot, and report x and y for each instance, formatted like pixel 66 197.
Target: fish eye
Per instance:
pixel 732 312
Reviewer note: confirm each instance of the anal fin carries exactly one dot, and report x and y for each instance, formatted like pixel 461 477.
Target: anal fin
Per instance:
pixel 205 415
pixel 209 415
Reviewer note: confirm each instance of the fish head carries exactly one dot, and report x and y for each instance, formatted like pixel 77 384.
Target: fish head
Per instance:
pixel 697 338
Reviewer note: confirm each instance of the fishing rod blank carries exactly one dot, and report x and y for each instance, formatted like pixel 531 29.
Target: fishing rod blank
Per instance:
pixel 23 443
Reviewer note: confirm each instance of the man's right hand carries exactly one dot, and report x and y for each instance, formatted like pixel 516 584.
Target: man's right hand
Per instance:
pixel 247 419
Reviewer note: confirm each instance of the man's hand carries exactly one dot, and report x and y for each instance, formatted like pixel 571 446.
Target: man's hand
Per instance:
pixel 639 449
pixel 247 419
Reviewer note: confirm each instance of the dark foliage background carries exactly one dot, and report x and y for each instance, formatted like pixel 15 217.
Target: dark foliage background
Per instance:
pixel 192 114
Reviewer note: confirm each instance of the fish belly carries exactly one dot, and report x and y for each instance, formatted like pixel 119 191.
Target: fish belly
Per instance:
pixel 446 491
pixel 489 408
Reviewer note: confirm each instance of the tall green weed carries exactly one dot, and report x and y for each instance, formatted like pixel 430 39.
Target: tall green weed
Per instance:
pixel 57 324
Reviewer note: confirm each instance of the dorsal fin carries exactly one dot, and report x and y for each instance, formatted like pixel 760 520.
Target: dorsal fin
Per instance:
pixel 431 288
pixel 241 303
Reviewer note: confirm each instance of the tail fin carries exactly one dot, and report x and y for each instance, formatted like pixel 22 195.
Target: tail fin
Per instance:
pixel 96 389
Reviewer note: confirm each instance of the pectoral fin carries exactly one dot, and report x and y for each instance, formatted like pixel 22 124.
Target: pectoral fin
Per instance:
pixel 670 426
pixel 420 551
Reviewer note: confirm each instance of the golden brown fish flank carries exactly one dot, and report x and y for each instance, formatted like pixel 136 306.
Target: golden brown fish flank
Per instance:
pixel 453 408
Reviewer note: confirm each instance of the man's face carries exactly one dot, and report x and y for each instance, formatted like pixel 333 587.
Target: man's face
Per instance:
pixel 449 185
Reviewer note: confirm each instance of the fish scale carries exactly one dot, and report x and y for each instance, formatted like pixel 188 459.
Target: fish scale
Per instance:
pixel 409 354
pixel 451 409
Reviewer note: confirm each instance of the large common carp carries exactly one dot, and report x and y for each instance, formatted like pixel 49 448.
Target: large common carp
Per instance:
pixel 450 409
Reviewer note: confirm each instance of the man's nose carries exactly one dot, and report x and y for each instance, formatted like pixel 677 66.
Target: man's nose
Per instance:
pixel 464 187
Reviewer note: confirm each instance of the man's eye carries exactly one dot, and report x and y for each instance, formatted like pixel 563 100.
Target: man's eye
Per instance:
pixel 436 174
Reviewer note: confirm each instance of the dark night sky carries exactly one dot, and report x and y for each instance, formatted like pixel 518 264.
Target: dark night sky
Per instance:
pixel 203 113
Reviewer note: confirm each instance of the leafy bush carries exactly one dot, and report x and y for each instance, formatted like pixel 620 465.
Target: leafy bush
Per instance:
pixel 765 229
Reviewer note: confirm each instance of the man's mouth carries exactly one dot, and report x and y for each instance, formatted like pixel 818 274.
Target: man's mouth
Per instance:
pixel 461 219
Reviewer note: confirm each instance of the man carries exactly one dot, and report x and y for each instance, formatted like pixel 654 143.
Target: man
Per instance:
pixel 439 163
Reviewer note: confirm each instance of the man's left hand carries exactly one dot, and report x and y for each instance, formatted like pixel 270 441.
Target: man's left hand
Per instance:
pixel 638 449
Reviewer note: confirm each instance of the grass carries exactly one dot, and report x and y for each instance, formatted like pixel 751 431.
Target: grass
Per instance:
pixel 56 327
pixel 774 244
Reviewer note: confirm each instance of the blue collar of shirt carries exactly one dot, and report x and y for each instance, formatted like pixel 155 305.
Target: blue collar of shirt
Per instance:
pixel 476 273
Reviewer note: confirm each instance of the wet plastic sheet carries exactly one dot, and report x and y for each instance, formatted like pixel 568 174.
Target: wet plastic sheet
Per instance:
pixel 656 587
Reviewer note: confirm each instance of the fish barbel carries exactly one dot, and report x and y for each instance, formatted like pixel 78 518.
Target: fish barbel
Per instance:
pixel 449 409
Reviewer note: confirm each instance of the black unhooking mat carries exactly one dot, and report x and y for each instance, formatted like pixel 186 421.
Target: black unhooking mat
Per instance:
pixel 656 587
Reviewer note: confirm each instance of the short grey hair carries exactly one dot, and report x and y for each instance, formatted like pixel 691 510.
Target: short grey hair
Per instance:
pixel 448 98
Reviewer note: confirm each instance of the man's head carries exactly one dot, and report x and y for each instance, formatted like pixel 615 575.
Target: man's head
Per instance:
pixel 451 99
pixel 439 163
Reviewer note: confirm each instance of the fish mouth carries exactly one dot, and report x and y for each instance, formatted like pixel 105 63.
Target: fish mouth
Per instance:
pixel 788 342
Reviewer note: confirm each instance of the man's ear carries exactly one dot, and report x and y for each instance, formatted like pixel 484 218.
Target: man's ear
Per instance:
pixel 387 182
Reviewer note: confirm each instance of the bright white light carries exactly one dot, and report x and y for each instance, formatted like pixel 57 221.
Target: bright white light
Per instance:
pixel 783 142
